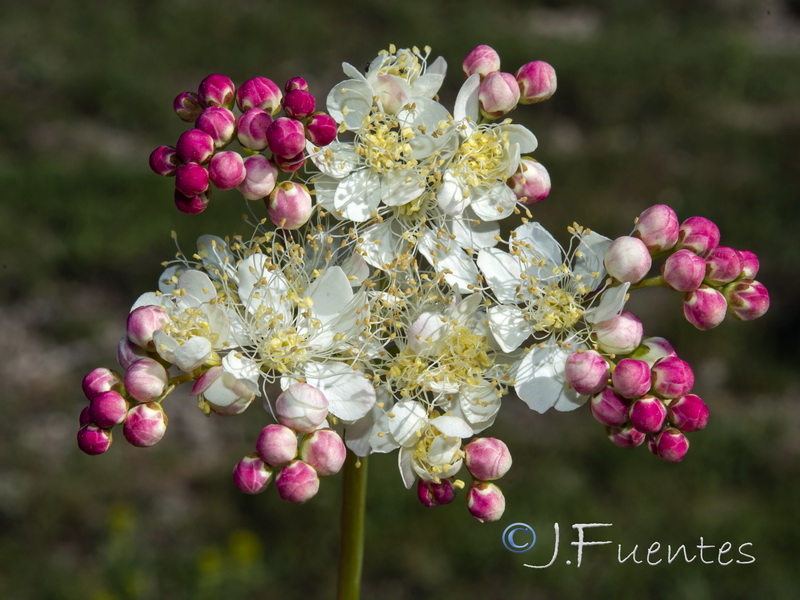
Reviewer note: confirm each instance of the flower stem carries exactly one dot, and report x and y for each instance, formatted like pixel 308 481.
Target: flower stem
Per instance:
pixel 351 546
pixel 657 281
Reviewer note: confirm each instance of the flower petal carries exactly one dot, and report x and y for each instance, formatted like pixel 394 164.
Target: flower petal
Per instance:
pixel 358 195
pixel 452 426
pixel 540 380
pixel 508 326
pixel 459 269
pixel 466 106
pixel 502 272
pixel 350 395
pixel 494 202
pixel 474 233
pixel 350 101
pixel 541 241
pixel 611 302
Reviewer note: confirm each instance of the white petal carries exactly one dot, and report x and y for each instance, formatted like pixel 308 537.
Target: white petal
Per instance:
pixel 381 246
pixel 611 302
pixel 350 395
pixel 336 160
pixel 404 420
pixel 465 310
pixel 425 116
pixel 540 378
pixel 352 72
pixel 452 196
pixel 325 188
pixel 494 202
pixel 197 287
pixel 358 195
pixel 522 136
pixel 166 283
pixel 357 435
pixel 425 332
pixel 466 106
pixel 479 405
pixel 330 294
pixel 569 400
pixel 589 258
pixel 502 272
pixel 452 426
pixel 428 84
pixel 241 367
pixel 541 241
pixel 399 187
pixel 406 468
pixel 350 101
pixel 474 233
pixel 458 268
pixel 439 66
pixel 153 299
pixel 508 326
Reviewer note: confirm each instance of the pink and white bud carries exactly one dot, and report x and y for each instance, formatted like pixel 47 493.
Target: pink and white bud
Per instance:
pixel 108 409
pixel 261 174
pixel 259 92
pixel 146 379
pixel 297 482
pixel 723 265
pixel 688 413
pixel 485 501
pixel 750 264
pixel 747 299
pixel 705 307
pixel 252 129
pixel 128 352
pixel 217 90
pixel 587 372
pixel 251 475
pixel 298 104
pixel 195 146
pixel 435 493
pixel 487 458
pixel 93 440
pixel 537 82
pixel 289 205
pixel 627 259
pixel 672 377
pixel 684 270
pixel 291 164
pixel 481 59
pixel 187 106
pixel 671 445
pixel 143 322
pixel 191 179
pixel 277 445
pixel 219 123
pixel 192 205
pixel 609 408
pixel 698 234
pixel 302 407
pixel 531 182
pixel 100 380
pixel 626 437
pixel 145 425
pixel 296 83
pixel 226 170
pixel 84 418
pixel 286 137
pixel 620 335
pixel 657 227
pixel 652 349
pixel 324 450
pixel 164 160
pixel 631 378
pixel 321 129
pixel 498 94
pixel 648 414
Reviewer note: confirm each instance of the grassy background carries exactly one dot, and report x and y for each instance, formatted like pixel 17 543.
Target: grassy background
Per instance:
pixel 690 103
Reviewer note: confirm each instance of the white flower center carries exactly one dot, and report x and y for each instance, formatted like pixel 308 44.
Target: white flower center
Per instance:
pixel 384 144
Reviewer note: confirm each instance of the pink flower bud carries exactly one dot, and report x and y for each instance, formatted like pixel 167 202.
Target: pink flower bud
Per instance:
pixel 298 104
pixel 195 146
pixel 128 352
pixel 435 493
pixel 672 377
pixel 609 408
pixel 704 308
pixel 260 177
pixel 485 501
pixel 627 259
pixel 321 129
pixel 187 106
pixel 723 265
pixel 108 409
pixel 259 92
pixel 631 378
pixel 191 179
pixel 747 299
pixel 671 445
pixel 226 170
pixel 145 425
pixel 620 335
pixel 487 458
pixel 296 83
pixel 498 94
pixel 302 407
pixel 586 372
pixel 289 205
pixel 297 482
pixel 286 137
pixel 100 380
pixel 482 60
pixel 657 227
pixel 277 445
pixel 684 271
pixel 699 235
pixel 143 322
pixel 84 418
pixel 648 414
pixel 750 264
pixel 291 164
pixel 217 90
pixel 626 437
pixel 93 440
pixel 531 182
pixel 219 123
pixel 537 82
pixel 192 205
pixel 252 128
pixel 251 475
pixel 688 413
pixel 146 379
pixel 164 160
pixel 324 450
pixel 652 349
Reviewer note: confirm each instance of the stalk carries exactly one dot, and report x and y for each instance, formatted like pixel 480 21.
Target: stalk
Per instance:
pixel 351 545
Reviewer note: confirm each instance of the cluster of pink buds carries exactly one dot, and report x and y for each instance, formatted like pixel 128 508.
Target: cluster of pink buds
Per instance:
pixel 200 159
pixel 295 464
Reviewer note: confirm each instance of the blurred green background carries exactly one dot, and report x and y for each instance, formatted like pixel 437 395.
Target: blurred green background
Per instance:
pixel 694 104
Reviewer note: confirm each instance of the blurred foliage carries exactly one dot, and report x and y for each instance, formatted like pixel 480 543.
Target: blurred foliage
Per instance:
pixel 694 104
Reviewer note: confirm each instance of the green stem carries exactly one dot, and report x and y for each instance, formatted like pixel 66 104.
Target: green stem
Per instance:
pixel 351 546
pixel 657 281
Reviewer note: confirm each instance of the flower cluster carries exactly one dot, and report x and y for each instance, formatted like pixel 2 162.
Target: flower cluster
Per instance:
pixel 379 308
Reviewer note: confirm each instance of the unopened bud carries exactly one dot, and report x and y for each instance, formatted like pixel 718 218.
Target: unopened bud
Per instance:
pixel 143 322
pixel 297 482
pixel 698 234
pixel 487 458
pixel 94 440
pixel 286 137
pixel 652 349
pixel 226 170
pixel 747 299
pixel 531 182
pixel 647 414
pixel 298 104
pixel 187 106
pixel 705 307
pixel 108 409
pixel 302 407
pixel 627 259
pixel 688 413
pixel 609 408
pixel 217 90
pixel 324 450
pixel 259 92
pixel 289 205
pixel 291 164
pixel 750 264
pixel 498 94
pixel 100 380
pixel 658 227
pixel 128 352
pixel 684 270
pixel 145 425
pixel 631 378
pixel 320 129
pixel 192 205
pixel 277 445
pixel 481 59
pixel 672 377
pixel 485 501
pixel 723 265
pixel 146 379
pixel 587 372
pixel 671 445
pixel 251 475
pixel 626 436
pixel 219 123
pixel 195 146
pixel 261 174
pixel 164 160
pixel 620 335
pixel 435 493
pixel 537 82
pixel 252 128
pixel 295 83
pixel 191 179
